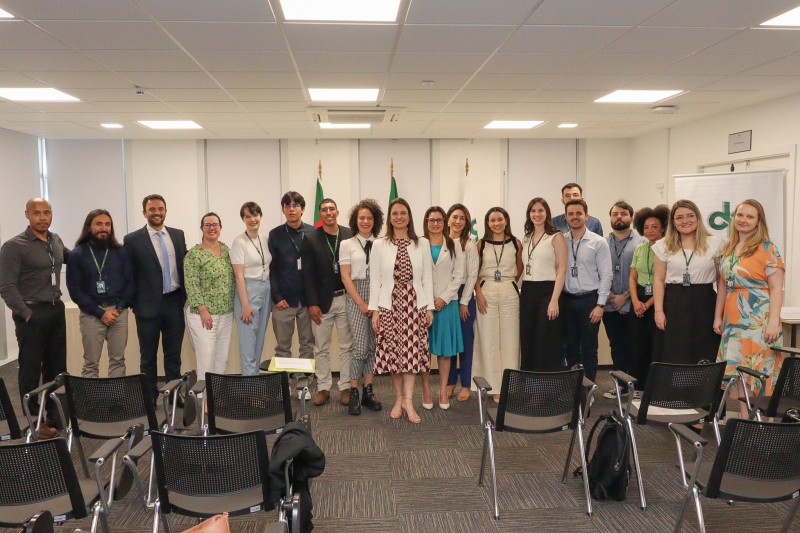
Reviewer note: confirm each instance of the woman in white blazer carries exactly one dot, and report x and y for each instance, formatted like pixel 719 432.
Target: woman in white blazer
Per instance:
pixel 401 298
pixel 444 335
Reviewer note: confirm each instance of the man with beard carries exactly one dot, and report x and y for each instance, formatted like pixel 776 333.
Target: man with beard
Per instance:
pixel 100 281
pixel 30 278
pixel 157 253
pixel 617 316
pixel 573 191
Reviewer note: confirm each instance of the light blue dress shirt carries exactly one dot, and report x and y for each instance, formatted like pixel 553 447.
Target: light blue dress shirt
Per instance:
pixel 591 255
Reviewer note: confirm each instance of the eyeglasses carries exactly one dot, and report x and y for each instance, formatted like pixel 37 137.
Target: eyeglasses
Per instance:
pixel 436 221
pixel 688 216
pixel 292 206
pixel 211 225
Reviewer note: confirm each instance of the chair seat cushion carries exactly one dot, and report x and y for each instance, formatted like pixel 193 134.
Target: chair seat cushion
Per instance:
pixel 529 424
pixel 109 430
pixel 61 507
pixel 745 489
pixel 248 501
pixel 231 425
pixel 664 415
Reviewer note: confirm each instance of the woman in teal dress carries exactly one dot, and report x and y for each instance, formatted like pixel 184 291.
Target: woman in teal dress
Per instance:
pixel 444 335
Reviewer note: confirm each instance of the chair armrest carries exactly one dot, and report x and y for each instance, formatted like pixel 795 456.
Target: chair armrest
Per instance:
pixel 106 450
pixel 140 449
pixel 622 378
pixel 265 365
pixel 170 387
pixel 590 388
pixel 588 383
pixel 481 383
pixel 302 382
pixel 750 372
pixel 199 387
pixel 687 434
pixel 787 349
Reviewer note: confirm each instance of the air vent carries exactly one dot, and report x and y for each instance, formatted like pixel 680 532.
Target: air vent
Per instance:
pixel 356 115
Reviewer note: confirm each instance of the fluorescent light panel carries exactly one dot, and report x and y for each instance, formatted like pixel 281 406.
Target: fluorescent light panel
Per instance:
pixel 35 94
pixel 111 126
pixel 171 124
pixel 329 126
pixel 341 10
pixel 343 95
pixel 512 124
pixel 567 125
pixel 636 97
pixel 5 14
pixel 790 18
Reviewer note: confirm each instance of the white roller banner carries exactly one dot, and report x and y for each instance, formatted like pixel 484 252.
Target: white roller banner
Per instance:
pixel 717 195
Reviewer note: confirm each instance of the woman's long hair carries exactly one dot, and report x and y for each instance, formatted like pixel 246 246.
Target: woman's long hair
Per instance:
pixel 466 232
pixel 487 231
pixel 390 229
pixel 448 241
pixel 549 228
pixel 672 238
pixel 754 241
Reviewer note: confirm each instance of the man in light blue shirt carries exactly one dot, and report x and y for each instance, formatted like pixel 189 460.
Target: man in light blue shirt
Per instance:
pixel 617 318
pixel 586 289
pixel 573 191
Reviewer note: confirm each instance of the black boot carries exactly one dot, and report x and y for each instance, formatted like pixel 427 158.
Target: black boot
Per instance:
pixel 370 401
pixel 354 407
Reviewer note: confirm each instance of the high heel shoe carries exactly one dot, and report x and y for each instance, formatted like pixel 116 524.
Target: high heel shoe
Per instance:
pixel 444 405
pixel 427 405
pixel 409 411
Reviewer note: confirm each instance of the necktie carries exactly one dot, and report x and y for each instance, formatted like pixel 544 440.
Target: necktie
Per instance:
pixel 367 249
pixel 165 263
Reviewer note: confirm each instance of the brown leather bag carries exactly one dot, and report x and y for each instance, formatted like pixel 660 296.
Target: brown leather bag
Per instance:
pixel 215 524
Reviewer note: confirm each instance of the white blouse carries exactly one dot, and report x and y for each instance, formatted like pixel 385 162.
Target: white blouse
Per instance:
pixel 541 258
pixel 351 252
pixel 702 267
pixel 248 252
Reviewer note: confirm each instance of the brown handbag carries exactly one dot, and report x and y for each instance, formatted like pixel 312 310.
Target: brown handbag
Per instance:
pixel 215 524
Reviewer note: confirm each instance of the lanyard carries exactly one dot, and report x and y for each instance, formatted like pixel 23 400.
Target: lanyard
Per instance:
pixel 733 264
pixel 335 246
pixel 49 247
pixel 366 247
pixel 687 260
pixel 619 253
pixel 531 250
pixel 260 248
pixel 100 266
pixel 576 248
pixel 649 263
pixel 302 236
pixel 502 249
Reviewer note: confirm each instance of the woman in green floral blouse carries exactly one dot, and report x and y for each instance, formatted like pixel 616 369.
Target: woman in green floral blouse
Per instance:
pixel 209 294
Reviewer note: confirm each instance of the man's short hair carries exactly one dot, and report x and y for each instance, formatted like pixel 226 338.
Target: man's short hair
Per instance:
pixel 571 186
pixel 622 204
pixel 152 197
pixel 328 201
pixel 577 201
pixel 293 197
pixel 252 207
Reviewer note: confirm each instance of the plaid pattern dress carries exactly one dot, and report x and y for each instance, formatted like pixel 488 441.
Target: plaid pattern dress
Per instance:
pixel 363 358
pixel 402 341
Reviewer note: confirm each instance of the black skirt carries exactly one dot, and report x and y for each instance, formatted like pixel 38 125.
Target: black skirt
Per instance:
pixel 689 335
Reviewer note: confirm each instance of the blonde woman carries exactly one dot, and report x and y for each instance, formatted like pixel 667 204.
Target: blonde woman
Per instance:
pixel 685 269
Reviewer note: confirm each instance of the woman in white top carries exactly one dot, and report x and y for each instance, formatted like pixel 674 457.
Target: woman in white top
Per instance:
pixel 250 258
pixel 497 325
pixel 544 254
pixel 366 219
pixel 444 335
pixel 401 301
pixel 685 269
pixel 459 226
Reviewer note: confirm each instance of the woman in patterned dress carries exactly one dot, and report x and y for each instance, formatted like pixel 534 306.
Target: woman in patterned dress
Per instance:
pixel 209 298
pixel 749 301
pixel 401 299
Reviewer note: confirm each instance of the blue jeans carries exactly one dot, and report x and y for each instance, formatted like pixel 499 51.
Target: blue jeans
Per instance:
pixel 464 368
pixel 251 336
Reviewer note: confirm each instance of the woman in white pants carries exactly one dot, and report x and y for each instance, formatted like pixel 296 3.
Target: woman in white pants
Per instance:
pixel 209 296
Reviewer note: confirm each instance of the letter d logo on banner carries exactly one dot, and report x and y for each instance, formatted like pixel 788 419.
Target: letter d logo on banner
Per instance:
pixel 720 220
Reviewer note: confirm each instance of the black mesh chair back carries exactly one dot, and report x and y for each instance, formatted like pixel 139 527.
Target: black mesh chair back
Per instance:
pixel 105 408
pixel 206 475
pixel 9 425
pixel 786 393
pixel 552 398
pixel 759 457
pixel 678 386
pixel 38 476
pixel 248 403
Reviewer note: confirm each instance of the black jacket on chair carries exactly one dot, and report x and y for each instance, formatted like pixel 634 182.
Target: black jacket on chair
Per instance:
pixel 317 271
pixel 147 270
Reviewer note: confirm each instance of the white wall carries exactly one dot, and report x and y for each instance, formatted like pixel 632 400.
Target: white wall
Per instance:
pixel 603 174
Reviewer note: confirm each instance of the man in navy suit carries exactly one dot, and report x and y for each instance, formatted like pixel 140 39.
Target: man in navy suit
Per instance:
pixel 157 253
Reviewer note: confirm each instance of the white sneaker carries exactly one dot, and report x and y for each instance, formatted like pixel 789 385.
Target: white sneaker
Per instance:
pixel 611 395
pixel 300 395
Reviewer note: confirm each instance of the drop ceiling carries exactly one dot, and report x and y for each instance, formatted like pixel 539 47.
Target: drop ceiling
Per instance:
pixel 239 70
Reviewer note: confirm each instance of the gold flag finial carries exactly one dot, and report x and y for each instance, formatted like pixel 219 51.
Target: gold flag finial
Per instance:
pixel 391 166
pixel 466 167
pixel 319 169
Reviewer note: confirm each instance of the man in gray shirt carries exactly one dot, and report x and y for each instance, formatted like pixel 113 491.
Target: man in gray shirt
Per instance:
pixel 30 277
pixel 617 318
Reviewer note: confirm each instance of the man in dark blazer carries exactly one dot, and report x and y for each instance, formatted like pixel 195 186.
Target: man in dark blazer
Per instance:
pixel 325 298
pixel 157 253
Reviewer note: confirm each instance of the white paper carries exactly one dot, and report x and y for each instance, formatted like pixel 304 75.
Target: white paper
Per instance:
pixel 664 411
pixel 294 363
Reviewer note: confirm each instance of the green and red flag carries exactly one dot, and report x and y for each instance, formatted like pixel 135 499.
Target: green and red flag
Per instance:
pixel 320 197
pixel 393 185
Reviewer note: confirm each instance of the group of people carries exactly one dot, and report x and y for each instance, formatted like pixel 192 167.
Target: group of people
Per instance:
pixel 535 304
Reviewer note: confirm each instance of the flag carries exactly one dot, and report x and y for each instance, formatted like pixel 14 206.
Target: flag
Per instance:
pixel 320 197
pixel 393 190
pixel 469 204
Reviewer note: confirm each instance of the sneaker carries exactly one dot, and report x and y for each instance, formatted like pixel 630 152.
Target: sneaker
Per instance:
pixel 611 395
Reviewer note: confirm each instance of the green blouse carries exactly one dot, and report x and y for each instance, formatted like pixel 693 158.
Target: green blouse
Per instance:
pixel 643 258
pixel 209 280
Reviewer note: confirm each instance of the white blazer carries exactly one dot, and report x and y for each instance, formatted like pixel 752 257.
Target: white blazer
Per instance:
pixel 448 273
pixel 381 273
pixel 471 266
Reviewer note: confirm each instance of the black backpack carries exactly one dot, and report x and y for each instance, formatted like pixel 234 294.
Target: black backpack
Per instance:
pixel 609 469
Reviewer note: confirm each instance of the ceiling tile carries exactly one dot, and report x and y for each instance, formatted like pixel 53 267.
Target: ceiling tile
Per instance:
pixel 340 37
pixel 268 95
pixel 342 61
pixel 21 35
pixel 141 60
pixel 533 63
pixel 63 107
pixel 409 80
pixel 168 80
pixel 459 12
pixel 190 95
pixel 26 116
pixel 585 82
pixel 420 95
pixel 638 64
pixel 10 78
pixel 109 35
pixel 257 80
pixel 266 107
pixel 63 60
pixel 727 14
pixel 472 107
pixel 562 39
pixel 455 39
pixel 241 61
pixel 208 10
pixel 775 42
pixel 716 64
pixel 778 67
pixel 528 82
pixel 565 96
pixel 239 36
pixel 216 111
pixel 492 96
pixel 82 10
pixel 433 62
pixel 343 79
pixel 122 97
pixel 681 41
pixel 598 12
pixel 86 80
pixel 751 83
pixel 684 82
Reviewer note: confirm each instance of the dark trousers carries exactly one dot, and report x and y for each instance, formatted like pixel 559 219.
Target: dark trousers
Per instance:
pixel 646 341
pixel 619 331
pixel 464 368
pixel 539 337
pixel 42 344
pixel 169 326
pixel 689 336
pixel 580 335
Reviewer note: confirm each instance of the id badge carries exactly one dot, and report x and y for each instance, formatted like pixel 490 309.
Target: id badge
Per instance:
pixel 617 268
pixel 299 264
pixel 367 276
pixel 687 280
pixel 101 287
pixel 53 279
pixel 729 284
pixel 528 269
pixel 498 276
pixel 648 289
pixel 574 271
pixel 336 268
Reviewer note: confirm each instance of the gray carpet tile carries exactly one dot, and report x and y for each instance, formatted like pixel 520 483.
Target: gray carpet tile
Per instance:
pixel 350 441
pixel 353 498
pixel 415 495
pixel 427 463
pixel 447 522
pixel 553 520
pixel 357 523
pixel 533 491
pixel 358 466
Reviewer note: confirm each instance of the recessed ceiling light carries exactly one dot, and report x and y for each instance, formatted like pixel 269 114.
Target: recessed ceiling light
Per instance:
pixel 567 125
pixel 171 124
pixel 512 124
pixel 637 97
pixel 5 14
pixel 35 94
pixel 111 126
pixel 343 95
pixel 330 126
pixel 790 18
pixel 341 11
